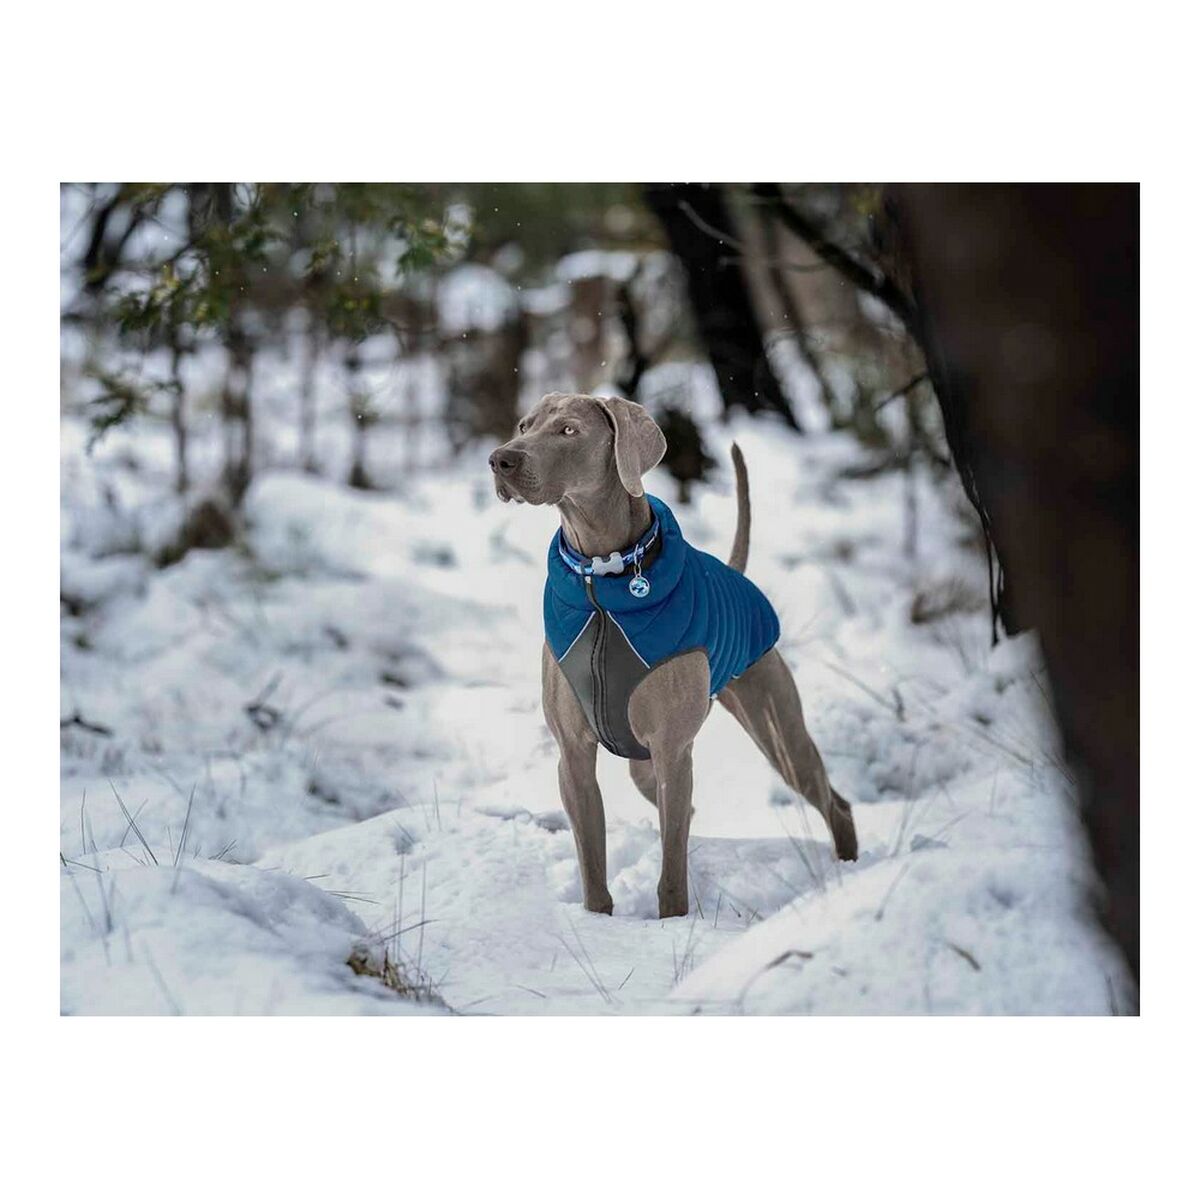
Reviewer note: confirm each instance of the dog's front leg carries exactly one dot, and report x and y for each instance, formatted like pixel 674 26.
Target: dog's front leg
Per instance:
pixel 585 807
pixel 577 785
pixel 673 771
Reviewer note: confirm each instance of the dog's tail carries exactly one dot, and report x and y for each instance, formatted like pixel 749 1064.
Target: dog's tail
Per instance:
pixel 741 539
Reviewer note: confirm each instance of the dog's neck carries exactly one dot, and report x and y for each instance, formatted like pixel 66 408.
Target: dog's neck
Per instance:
pixel 606 520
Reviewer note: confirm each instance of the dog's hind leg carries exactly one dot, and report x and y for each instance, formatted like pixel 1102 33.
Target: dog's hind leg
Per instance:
pixel 641 771
pixel 767 706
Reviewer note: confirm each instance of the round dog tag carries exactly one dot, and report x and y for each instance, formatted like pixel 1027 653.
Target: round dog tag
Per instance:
pixel 639 586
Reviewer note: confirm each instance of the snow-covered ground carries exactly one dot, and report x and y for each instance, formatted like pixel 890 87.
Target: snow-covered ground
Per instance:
pixel 327 743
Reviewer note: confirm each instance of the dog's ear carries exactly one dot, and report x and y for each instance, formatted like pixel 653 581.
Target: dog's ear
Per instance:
pixel 638 443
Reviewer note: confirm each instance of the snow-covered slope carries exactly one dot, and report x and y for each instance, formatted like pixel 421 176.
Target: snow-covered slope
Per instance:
pixel 210 938
pixel 335 731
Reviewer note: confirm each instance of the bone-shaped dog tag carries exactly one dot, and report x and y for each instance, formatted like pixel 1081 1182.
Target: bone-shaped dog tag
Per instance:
pixel 614 564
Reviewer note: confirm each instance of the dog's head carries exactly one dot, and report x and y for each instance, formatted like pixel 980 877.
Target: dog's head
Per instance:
pixel 574 446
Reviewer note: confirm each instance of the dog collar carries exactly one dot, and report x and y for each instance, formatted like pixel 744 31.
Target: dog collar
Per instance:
pixel 616 562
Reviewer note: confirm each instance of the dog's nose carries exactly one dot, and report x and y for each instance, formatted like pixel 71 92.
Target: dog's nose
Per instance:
pixel 505 461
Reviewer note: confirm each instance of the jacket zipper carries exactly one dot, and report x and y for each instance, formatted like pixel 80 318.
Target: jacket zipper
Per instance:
pixel 599 695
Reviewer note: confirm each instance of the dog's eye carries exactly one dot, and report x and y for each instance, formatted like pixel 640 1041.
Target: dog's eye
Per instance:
pixel 520 426
pixel 569 430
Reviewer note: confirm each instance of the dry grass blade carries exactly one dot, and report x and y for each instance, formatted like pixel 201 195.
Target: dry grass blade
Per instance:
pixel 187 818
pixel 391 966
pixel 87 912
pixel 584 951
pixel 71 862
pixel 132 823
pixel 587 967
pixel 421 935
pixel 176 1010
pixel 780 959
pixel 777 961
pixel 684 965
pixel 908 813
pixel 395 975
pixel 891 888
pixel 397 931
pixel 895 706
pixel 752 914
pixel 106 898
pixel 357 897
pixel 125 835
pixel 966 955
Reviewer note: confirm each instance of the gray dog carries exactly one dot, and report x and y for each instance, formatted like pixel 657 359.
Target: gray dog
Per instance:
pixel 644 631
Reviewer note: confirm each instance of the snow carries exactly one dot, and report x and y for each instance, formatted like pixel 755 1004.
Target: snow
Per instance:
pixel 591 264
pixel 977 913
pixel 330 736
pixel 209 938
pixel 546 301
pixel 474 297
pixel 689 386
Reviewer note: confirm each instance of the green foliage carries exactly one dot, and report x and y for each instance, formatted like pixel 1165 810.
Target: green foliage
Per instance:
pixel 228 245
pixel 339 250
pixel 155 311
pixel 361 229
pixel 118 401
pixel 354 242
pixel 354 311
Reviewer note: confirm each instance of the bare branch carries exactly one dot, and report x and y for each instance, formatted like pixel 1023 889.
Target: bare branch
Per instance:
pixel 908 387
pixel 818 240
pixel 704 227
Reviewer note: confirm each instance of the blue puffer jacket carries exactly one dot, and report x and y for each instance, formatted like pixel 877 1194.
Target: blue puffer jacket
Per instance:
pixel 607 639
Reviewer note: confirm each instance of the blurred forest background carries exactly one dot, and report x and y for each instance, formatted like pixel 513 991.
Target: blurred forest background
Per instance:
pixel 370 332
pixel 182 303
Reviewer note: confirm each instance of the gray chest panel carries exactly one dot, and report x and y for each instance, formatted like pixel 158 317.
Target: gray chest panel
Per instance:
pixel 603 669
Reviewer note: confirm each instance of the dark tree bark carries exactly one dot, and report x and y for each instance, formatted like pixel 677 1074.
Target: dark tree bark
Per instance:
pixel 1028 307
pixel 237 415
pixel 637 362
pixel 867 277
pixel 792 311
pixel 93 256
pixel 361 419
pixel 179 427
pixel 308 393
pixel 694 216
pixel 870 277
pixel 104 250
pixel 237 408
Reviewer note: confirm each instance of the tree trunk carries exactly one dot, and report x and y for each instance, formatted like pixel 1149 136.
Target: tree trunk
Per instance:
pixel 360 421
pixel 179 427
pixel 694 218
pixel 636 361
pixel 792 311
pixel 1028 298
pixel 896 293
pixel 238 417
pixel 308 395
